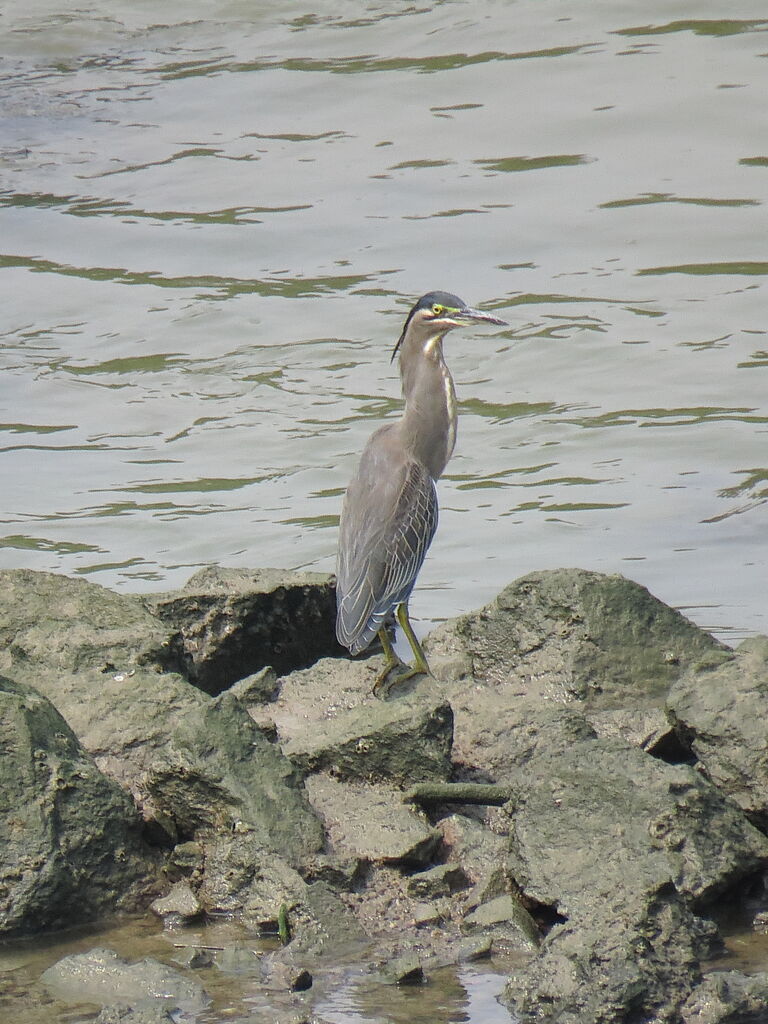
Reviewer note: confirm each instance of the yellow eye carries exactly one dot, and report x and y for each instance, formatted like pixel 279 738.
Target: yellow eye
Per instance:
pixel 437 309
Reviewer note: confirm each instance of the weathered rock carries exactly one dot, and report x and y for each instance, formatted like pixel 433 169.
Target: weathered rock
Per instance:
pixel 261 687
pixel 218 773
pixel 52 623
pixel 404 970
pixel 101 976
pixel 404 742
pixel 441 880
pixel 320 923
pixel 604 818
pixel 124 720
pixel 496 735
pixel 720 710
pixel 728 997
pixel 647 728
pixel 287 975
pixel 637 960
pixel 317 694
pixel 134 1015
pixel 185 861
pixel 180 906
pixel 474 947
pixel 569 633
pixel 370 822
pixel 506 918
pixel 69 837
pixel 432 913
pixel 242 877
pixel 480 853
pixel 624 846
pixel 230 623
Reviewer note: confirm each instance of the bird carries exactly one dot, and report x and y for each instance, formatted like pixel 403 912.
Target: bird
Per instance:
pixel 390 511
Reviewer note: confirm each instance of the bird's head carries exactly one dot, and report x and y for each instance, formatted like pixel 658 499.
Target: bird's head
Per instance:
pixel 436 313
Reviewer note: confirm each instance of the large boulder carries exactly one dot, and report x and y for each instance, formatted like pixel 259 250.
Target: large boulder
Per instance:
pixel 728 997
pixel 70 846
pixel 623 850
pixel 720 709
pixel 229 623
pixel 57 624
pixel 327 720
pixel 604 817
pixel 124 719
pixel 572 634
pixel 219 773
pixel 633 960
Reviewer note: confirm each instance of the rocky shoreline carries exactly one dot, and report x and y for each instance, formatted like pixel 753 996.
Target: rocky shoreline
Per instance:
pixel 584 784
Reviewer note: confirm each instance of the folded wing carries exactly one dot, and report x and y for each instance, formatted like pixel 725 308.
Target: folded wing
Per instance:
pixel 387 524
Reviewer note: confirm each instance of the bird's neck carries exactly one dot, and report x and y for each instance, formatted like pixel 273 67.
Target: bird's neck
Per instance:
pixel 429 420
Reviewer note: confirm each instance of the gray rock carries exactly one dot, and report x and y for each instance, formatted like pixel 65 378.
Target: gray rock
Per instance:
pixel 260 688
pixel 96 656
pixel 604 818
pixel 506 918
pixel 371 823
pixel 474 947
pixel 719 709
pixel 327 717
pixel 497 735
pixel 287 975
pixel 242 877
pixel 69 837
pixel 441 880
pixel 647 728
pixel 185 861
pixel 134 1015
pixel 180 906
pixel 230 623
pixel 728 997
pixel 124 720
pixel 319 923
pixel 480 853
pixel 404 970
pixel 623 846
pixel 57 624
pixel 636 961
pixel 569 633
pixel 101 976
pixel 430 914
pixel 404 741
pixel 218 772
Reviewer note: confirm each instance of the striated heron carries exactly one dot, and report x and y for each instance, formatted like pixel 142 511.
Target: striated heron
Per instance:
pixel 389 516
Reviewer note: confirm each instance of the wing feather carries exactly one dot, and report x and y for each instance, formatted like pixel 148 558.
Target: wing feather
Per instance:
pixel 388 521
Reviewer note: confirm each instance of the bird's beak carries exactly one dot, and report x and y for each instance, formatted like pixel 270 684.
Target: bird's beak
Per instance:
pixel 467 314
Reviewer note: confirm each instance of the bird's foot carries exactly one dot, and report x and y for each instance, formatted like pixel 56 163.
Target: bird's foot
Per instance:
pixel 387 680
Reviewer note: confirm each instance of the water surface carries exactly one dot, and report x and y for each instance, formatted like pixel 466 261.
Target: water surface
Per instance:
pixel 212 222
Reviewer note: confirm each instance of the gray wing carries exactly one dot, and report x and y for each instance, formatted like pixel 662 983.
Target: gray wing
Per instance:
pixel 387 524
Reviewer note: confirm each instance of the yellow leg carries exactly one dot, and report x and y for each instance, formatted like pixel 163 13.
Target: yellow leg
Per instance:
pixel 391 661
pixel 419 667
